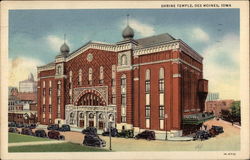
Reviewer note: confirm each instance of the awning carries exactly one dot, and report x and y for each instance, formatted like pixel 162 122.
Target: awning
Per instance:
pixel 197 118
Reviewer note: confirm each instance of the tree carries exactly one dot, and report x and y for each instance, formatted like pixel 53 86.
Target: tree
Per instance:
pixel 235 111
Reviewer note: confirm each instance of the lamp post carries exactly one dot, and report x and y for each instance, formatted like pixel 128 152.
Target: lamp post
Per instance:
pixel 110 148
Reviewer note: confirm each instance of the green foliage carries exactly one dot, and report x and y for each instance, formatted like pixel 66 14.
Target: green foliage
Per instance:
pixel 15 138
pixel 235 111
pixel 62 147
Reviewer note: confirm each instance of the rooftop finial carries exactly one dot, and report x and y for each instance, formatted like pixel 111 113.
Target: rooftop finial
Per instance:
pixel 64 37
pixel 127 19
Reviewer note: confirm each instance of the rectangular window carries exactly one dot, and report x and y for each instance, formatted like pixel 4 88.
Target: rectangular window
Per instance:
pixel 50 120
pixel 123 111
pixel 90 82
pixel 43 119
pixel 50 108
pixel 123 119
pixel 43 108
pixel 147 86
pixel 161 112
pixel 147 99
pixel 58 115
pixel 161 99
pixel 113 99
pixel 101 81
pixel 58 100
pixel 147 123
pixel 161 124
pixel 161 85
pixel 123 99
pixel 123 82
pixel 112 82
pixel 148 111
pixel 44 91
pixel 50 91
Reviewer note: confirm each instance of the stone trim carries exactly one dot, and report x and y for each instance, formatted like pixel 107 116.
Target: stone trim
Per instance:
pixel 176 75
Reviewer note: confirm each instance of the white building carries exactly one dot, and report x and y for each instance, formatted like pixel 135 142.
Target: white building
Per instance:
pixel 28 85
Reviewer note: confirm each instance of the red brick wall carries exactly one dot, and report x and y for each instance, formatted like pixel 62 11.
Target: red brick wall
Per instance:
pixel 100 58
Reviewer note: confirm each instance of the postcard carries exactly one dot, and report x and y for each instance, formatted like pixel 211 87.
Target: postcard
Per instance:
pixel 124 80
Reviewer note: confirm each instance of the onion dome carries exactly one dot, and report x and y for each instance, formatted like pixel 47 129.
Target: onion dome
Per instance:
pixel 64 49
pixel 128 33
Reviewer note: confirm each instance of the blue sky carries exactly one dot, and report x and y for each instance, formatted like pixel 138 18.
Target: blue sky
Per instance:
pixel 35 37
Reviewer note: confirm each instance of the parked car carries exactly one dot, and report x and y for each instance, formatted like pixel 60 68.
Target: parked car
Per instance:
pixel 55 135
pixel 202 135
pixel 93 140
pixel 64 128
pixel 40 133
pixel 218 129
pixel 53 127
pixel 27 131
pixel 19 125
pixel 126 134
pixel 90 130
pixel 11 124
pixel 148 135
pixel 13 130
pixel 212 132
pixel 114 132
pixel 32 126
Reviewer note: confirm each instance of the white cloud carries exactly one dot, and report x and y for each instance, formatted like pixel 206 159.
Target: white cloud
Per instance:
pixel 55 42
pixel 20 68
pixel 221 67
pixel 142 28
pixel 198 34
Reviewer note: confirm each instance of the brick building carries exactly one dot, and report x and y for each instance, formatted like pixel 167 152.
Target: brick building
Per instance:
pixel 218 105
pixel 148 83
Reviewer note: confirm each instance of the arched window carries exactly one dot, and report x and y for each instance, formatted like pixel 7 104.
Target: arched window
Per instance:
pixel 80 77
pixel 90 75
pixel 147 81
pixel 147 74
pixel 124 60
pixel 59 70
pixel 91 115
pixel 161 80
pixel 70 76
pixel 81 115
pixel 101 116
pixel 111 117
pixel 101 75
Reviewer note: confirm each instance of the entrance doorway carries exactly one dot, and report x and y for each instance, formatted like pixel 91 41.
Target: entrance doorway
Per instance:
pixel 91 123
pixel 81 123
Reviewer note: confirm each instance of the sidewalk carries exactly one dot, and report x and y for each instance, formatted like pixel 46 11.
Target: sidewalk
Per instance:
pixel 35 143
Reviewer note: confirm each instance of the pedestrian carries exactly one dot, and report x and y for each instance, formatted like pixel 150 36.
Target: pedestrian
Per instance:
pixel 205 126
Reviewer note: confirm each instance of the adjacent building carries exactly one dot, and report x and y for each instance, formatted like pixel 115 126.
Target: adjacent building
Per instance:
pixel 148 83
pixel 212 96
pixel 28 85
pixel 217 105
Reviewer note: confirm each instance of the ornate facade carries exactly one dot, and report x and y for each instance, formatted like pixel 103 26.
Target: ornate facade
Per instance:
pixel 148 83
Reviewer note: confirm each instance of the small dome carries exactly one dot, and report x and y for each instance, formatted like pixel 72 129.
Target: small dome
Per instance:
pixel 128 33
pixel 64 48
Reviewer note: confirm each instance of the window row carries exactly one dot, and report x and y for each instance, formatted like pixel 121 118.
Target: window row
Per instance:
pixel 160 83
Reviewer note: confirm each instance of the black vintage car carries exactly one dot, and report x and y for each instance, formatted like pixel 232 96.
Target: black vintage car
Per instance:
pixel 13 130
pixel 11 124
pixel 19 125
pixel 55 135
pixel 53 127
pixel 93 140
pixel 148 135
pixel 90 130
pixel 126 134
pixel 114 132
pixel 202 135
pixel 218 129
pixel 32 126
pixel 40 133
pixel 64 128
pixel 27 131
